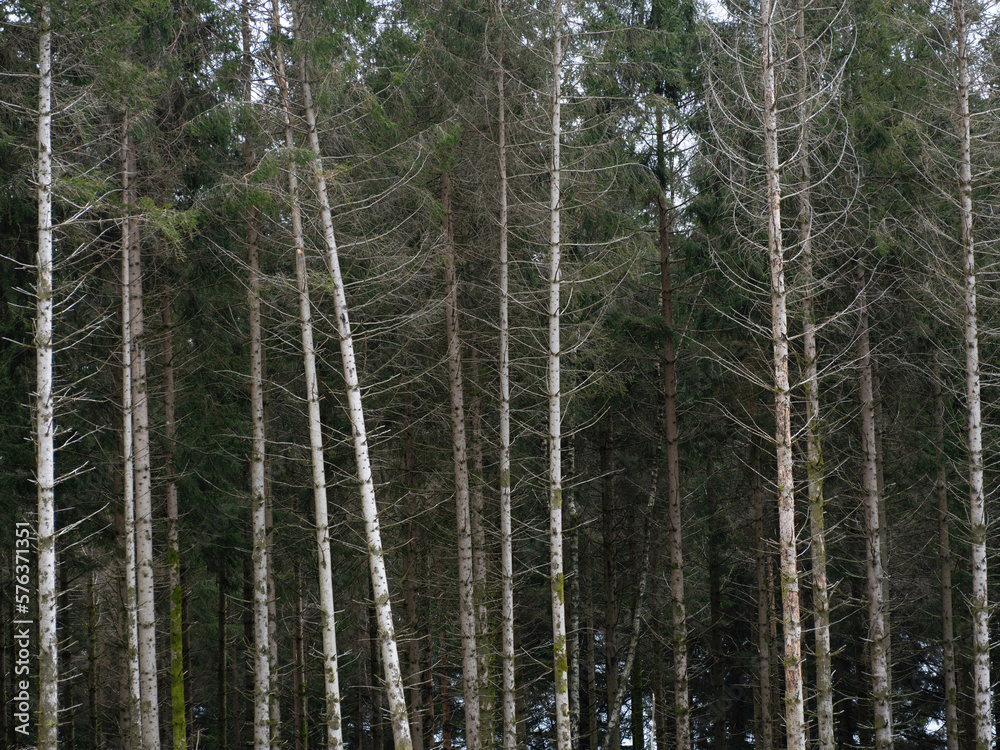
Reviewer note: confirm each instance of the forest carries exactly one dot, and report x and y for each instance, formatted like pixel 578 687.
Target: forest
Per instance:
pixel 495 374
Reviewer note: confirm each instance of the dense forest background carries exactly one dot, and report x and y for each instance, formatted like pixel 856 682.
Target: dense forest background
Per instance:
pixel 469 374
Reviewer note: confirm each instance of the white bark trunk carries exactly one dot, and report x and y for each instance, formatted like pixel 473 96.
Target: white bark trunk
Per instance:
pixel 814 441
pixel 506 535
pixel 874 533
pixel 380 582
pixel 143 489
pixel 45 426
pixel 560 658
pixel 334 732
pixel 982 707
pixel 128 476
pixel 794 713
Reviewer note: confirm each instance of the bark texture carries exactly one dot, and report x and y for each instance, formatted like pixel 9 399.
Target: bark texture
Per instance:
pixel 45 425
pixel 982 703
pixel 874 533
pixel 794 710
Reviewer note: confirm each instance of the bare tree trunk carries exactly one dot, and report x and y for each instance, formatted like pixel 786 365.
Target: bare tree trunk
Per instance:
pixel 301 731
pixel 590 650
pixel 376 560
pixel 479 592
pixel 413 554
pixel 944 553
pixel 222 718
pixel 814 442
pixel 177 705
pixel 506 535
pixel 874 533
pixel 764 735
pixel 466 603
pixel 334 732
pixel 132 678
pixel 612 740
pixel 574 607
pixel 93 718
pixel 560 658
pixel 614 709
pixel 45 427
pixel 977 500
pixel 146 609
pixel 716 536
pixel 794 713
pixel 675 537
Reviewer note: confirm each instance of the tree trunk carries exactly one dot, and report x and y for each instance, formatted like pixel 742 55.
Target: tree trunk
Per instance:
pixel 177 705
pixel 794 713
pixel 479 592
pixel 413 555
pixel 222 718
pixel 560 658
pixel 944 553
pixel 977 500
pixel 146 611
pixel 133 680
pixel 814 443
pixel 376 560
pixel 45 427
pixel 574 607
pixel 612 740
pixel 764 735
pixel 615 707
pixel 301 731
pixel 590 650
pixel 93 718
pixel 331 680
pixel 874 533
pixel 506 535
pixel 716 538
pixel 466 604
pixel 675 537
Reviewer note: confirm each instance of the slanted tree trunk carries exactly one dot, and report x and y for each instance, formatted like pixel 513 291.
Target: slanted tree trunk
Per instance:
pixel 380 582
pixel 45 426
pixel 466 603
pixel 873 531
pixel 177 705
pixel 944 554
pixel 794 709
pixel 675 536
pixel 506 535
pixel 977 500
